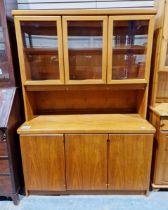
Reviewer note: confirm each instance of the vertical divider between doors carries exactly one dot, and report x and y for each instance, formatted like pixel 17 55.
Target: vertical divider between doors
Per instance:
pixel 110 50
pixel 65 162
pixel 62 43
pixel 107 37
pixel 104 48
pixel 108 151
pixel 65 48
pixel 60 49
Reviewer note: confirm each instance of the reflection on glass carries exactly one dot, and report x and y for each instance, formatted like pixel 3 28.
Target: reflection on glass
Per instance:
pixel 40 49
pixel 166 64
pixel 129 49
pixel 4 74
pixel 85 49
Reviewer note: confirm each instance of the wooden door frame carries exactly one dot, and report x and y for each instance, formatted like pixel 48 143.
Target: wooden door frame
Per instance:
pixel 104 19
pixel 148 47
pixel 56 19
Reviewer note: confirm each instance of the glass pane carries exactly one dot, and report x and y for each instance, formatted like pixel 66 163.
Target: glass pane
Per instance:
pixel 40 44
pixel 129 49
pixel 166 64
pixel 85 49
pixel 4 74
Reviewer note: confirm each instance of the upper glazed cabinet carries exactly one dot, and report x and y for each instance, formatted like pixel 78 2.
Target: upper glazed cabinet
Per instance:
pixel 91 49
pixel 129 49
pixel 42 49
pixel 85 49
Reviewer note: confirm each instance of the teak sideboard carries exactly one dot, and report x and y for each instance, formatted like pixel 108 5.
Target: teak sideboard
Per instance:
pixel 85 76
pixel 159 97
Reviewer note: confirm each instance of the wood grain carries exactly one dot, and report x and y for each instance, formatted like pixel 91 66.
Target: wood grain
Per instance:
pixel 159 85
pixel 129 162
pixel 105 123
pixel 164 42
pixel 84 101
pixel 3 150
pixel 123 11
pixel 4 167
pixel 161 160
pixel 43 162
pixel 86 162
pixel 5 184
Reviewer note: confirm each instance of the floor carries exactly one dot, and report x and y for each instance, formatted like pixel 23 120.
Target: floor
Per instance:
pixel 155 201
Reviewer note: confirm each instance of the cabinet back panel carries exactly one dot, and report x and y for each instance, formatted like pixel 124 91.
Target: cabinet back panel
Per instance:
pixel 83 101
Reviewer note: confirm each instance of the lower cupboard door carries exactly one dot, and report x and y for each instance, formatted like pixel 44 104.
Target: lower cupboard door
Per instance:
pixel 43 162
pixel 129 161
pixel 86 161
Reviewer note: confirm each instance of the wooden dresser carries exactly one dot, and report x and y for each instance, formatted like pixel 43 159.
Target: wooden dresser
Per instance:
pixel 85 76
pixel 159 97
pixel 10 107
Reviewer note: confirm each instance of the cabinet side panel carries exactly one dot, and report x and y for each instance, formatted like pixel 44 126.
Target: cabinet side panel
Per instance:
pixel 161 159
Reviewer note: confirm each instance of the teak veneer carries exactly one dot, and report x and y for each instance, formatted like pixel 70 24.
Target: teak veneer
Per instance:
pixel 121 11
pixel 85 78
pixel 87 123
pixel 86 152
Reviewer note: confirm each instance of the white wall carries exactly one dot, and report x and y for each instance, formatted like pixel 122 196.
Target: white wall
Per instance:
pixel 70 4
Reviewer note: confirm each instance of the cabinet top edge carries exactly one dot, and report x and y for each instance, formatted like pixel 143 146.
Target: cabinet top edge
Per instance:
pixel 160 109
pixel 121 11
pixel 88 123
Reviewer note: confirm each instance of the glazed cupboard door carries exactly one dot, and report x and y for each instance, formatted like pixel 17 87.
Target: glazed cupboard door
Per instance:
pixel 40 49
pixel 85 49
pixel 43 162
pixel 129 49
pixel 86 161
pixel 129 161
pixel 164 44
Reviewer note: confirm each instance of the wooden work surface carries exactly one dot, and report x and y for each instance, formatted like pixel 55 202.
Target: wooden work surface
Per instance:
pixel 6 100
pixel 123 11
pixel 160 109
pixel 93 123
